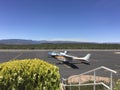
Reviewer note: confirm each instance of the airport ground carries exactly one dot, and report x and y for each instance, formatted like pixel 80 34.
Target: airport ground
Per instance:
pixel 107 58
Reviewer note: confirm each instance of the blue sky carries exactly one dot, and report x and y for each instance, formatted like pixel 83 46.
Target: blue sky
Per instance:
pixel 76 20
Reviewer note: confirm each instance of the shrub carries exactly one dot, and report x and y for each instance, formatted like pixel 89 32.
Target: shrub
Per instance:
pixel 32 74
pixel 117 85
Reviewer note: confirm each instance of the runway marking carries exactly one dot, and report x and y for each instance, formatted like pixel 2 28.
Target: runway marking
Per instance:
pixel 17 56
pixel 117 52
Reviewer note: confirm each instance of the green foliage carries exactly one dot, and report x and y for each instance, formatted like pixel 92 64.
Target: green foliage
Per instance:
pixel 117 86
pixel 63 46
pixel 88 87
pixel 32 74
pixel 98 87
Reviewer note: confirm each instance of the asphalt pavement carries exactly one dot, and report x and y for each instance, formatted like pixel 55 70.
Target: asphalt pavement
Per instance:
pixel 107 58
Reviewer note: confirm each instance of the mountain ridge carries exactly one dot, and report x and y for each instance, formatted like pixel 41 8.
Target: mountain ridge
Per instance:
pixel 27 41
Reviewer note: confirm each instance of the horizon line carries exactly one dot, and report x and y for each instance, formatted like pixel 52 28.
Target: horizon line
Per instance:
pixel 62 40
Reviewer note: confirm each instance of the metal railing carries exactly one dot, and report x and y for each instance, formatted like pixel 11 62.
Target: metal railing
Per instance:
pixel 109 87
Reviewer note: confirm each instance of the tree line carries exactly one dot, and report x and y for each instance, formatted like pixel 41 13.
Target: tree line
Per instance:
pixel 63 46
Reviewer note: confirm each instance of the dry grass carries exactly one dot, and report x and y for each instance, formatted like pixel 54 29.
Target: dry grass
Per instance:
pixel 86 78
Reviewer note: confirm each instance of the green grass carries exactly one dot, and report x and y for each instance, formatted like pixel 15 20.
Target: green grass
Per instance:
pixel 87 87
pixel 98 87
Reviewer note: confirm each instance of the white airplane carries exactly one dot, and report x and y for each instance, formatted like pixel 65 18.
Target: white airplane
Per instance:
pixel 64 57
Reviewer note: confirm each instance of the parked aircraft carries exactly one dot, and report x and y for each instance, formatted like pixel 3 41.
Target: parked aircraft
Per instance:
pixel 65 58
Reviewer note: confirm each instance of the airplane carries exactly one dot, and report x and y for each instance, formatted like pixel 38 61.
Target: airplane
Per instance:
pixel 65 58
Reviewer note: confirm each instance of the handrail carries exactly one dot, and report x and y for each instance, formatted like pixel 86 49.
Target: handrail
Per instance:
pixel 101 67
pixel 95 83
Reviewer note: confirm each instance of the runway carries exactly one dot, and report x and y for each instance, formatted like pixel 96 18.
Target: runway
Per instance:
pixel 107 58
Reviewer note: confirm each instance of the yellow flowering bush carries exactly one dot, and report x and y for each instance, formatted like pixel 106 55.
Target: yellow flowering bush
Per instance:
pixel 29 74
pixel 117 86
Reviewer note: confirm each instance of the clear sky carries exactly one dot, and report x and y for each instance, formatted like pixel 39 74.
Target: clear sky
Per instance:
pixel 79 20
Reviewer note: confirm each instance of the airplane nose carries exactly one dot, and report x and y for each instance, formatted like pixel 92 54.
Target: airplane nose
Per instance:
pixel 50 53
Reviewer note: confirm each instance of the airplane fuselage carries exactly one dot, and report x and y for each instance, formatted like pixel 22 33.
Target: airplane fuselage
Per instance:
pixel 62 56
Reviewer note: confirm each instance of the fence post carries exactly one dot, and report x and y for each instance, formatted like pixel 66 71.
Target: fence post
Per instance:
pixel 94 80
pixel 111 84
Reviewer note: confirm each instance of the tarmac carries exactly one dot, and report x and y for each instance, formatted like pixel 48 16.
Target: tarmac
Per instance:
pixel 107 58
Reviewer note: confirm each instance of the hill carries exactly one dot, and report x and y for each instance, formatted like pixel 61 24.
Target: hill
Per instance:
pixel 25 42
pixel 43 44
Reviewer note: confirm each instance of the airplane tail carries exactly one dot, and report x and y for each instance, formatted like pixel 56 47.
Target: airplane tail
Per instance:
pixel 65 52
pixel 86 58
